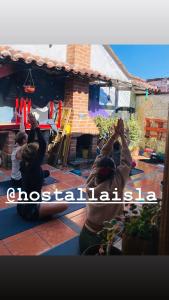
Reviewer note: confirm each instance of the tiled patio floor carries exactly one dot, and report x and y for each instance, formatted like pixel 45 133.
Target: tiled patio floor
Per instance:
pixel 52 233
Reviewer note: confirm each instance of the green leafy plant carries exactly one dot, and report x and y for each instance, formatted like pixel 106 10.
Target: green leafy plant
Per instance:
pixel 105 125
pixel 151 143
pixel 134 132
pixel 160 147
pixel 110 230
pixel 142 223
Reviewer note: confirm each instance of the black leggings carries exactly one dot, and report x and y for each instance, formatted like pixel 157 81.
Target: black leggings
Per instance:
pixel 30 212
pixel 16 183
pixel 87 239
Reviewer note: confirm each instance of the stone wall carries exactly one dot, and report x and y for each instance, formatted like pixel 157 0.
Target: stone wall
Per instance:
pixel 155 106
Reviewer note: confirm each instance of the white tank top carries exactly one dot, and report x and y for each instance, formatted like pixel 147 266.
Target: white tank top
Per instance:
pixel 16 174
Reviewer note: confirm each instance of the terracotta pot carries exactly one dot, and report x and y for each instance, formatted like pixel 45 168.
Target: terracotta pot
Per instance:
pixel 137 246
pixel 29 89
pixel 94 250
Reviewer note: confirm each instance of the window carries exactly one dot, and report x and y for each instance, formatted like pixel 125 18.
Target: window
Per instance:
pixel 107 96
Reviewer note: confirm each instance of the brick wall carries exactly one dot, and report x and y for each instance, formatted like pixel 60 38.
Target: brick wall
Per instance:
pixel 156 106
pixel 9 141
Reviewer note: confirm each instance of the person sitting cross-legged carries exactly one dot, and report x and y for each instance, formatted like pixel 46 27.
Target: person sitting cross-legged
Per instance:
pixel 105 177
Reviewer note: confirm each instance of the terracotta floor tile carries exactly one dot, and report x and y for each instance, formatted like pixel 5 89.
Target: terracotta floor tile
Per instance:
pixel 75 182
pixel 7 172
pixel 79 219
pixel 146 167
pixel 2 178
pixel 30 245
pixel 76 213
pixel 55 232
pixel 61 186
pixel 60 175
pixel 18 236
pixel 4 250
pixel 143 183
pixel 3 199
pixel 48 167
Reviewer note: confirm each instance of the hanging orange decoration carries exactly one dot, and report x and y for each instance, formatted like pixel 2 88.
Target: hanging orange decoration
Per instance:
pixel 29 86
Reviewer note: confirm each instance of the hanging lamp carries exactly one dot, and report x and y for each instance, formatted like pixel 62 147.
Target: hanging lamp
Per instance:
pixel 29 86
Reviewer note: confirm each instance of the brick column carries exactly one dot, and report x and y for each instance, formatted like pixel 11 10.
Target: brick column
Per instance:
pixel 79 55
pixel 77 97
pixel 7 149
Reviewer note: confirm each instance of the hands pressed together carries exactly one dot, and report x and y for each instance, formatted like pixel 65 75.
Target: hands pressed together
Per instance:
pixel 32 120
pixel 119 128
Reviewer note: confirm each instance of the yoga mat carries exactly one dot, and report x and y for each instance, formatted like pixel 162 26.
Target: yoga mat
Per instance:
pixel 50 180
pixel 70 247
pixel 11 223
pixel 5 185
pixel 76 172
pixel 135 171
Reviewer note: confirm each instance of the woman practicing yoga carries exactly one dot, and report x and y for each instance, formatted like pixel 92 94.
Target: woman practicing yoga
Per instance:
pixel 33 176
pixel 20 140
pixel 105 176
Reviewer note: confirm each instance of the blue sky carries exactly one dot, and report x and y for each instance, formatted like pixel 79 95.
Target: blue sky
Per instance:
pixel 145 61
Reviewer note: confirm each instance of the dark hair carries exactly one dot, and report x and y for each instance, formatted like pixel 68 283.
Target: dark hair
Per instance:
pixel 117 146
pixel 107 168
pixel 29 152
pixel 20 137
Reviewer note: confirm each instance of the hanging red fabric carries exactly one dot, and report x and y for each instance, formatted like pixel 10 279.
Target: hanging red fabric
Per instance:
pixel 29 106
pixel 51 109
pixel 59 114
pixel 25 116
pixel 17 110
pixel 21 105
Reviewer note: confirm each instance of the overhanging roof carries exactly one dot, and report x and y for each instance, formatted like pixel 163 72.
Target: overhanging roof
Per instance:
pixel 136 84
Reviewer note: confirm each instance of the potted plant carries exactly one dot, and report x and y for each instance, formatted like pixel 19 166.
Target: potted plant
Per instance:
pixel 141 230
pixel 109 234
pixel 30 89
pixel 134 135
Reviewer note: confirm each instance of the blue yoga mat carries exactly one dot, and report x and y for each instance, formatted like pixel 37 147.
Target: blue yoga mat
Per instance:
pixel 135 171
pixel 50 180
pixel 11 223
pixel 5 185
pixel 70 247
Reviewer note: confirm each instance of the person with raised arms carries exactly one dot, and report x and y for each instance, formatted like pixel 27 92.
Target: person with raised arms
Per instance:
pixel 105 176
pixel 32 155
